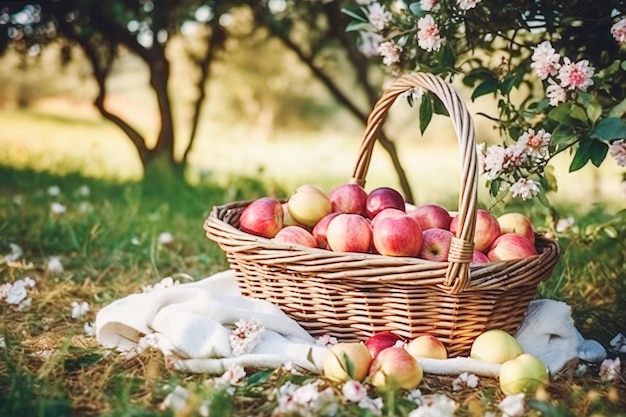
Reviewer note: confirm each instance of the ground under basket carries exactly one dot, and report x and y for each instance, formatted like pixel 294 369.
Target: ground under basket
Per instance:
pixel 351 296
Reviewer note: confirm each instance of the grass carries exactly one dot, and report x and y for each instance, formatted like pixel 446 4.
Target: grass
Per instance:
pixel 108 243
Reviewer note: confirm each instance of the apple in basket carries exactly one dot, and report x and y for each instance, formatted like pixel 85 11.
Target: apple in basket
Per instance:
pixel 382 340
pixel 349 233
pixel 511 246
pixel 381 198
pixel 388 212
pixel 525 373
pixel 320 230
pixel 288 219
pixel 397 236
pixel 295 235
pixel 262 217
pixel 486 231
pixel 495 346
pixel 427 346
pixel 436 244
pixel 431 216
pixel 395 368
pixel 514 222
pixel 348 198
pixel 308 204
pixel 345 361
pixel 479 257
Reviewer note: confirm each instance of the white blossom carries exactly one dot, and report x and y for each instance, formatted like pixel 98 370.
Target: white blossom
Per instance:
pixel 555 93
pixel 165 238
pixel 378 16
pixel 304 401
pixel 465 380
pixel 512 405
pixel 176 400
pixel 79 309
pixel 564 223
pixel 326 340
pixel 54 190
pixel 466 4
pixel 389 52
pixel 15 293
pixel 494 161
pixel 435 405
pixel 84 191
pixel 89 328
pixel 16 253
pixel 54 265
pixel 246 335
pixel 3 343
pixel 354 391
pixel 618 30
pixel 233 375
pixel 373 405
pixel 57 208
pixel 525 188
pixel 617 149
pixel 610 369
pixel 545 60
pixel 535 144
pixel 164 283
pixel 370 43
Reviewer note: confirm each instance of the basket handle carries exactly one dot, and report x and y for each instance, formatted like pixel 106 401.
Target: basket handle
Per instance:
pixel 460 256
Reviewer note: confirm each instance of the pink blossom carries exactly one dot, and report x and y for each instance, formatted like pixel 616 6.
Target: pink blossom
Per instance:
pixel 610 369
pixel 535 144
pixel 617 150
pixel 578 75
pixel 466 4
pixel 545 60
pixel 525 188
pixel 555 93
pixel 389 52
pixel 618 30
pixel 428 4
pixel 378 15
pixel 428 35
pixel 354 391
pixel 233 374
pixel 515 156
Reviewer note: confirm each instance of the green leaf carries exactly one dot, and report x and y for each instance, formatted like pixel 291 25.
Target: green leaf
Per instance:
pixel 426 112
pixel 447 56
pixel 548 181
pixel 623 65
pixel 486 87
pixel 357 13
pixel 609 129
pixel 568 114
pixel 563 135
pixel 416 9
pixel 589 150
pixel 357 26
pixel 578 113
pixel 619 109
pixel 594 111
pixel 438 107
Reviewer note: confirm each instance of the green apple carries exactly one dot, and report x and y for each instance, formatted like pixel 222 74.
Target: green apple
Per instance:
pixel 308 204
pixel 525 373
pixel 495 346
pixel 347 360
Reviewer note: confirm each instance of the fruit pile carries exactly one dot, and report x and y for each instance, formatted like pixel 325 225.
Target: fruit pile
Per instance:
pixel 349 219
pixel 389 362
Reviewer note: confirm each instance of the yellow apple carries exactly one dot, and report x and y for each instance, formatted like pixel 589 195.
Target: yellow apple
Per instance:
pixel 427 346
pixel 495 346
pixel 308 204
pixel 347 360
pixel 525 373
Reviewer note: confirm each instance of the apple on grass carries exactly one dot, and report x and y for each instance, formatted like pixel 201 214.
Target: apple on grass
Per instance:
pixel 397 236
pixel 381 198
pixel 348 198
pixel 486 231
pixel 496 346
pixel 308 204
pixel 511 246
pixel 394 368
pixel 514 222
pixel 345 361
pixel 427 346
pixel 436 244
pixel 321 229
pixel 525 373
pixel 431 216
pixel 295 235
pixel 262 217
pixel 382 340
pixel 349 233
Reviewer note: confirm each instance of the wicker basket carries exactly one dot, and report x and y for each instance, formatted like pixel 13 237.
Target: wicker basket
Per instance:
pixel 352 296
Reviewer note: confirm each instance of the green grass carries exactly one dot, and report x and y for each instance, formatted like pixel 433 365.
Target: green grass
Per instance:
pixel 108 244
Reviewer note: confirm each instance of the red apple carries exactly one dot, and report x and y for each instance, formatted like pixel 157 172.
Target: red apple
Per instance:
pixel 431 216
pixel 395 368
pixel 514 222
pixel 321 228
pixel 397 236
pixel 349 233
pixel 479 257
pixel 511 246
pixel 427 346
pixel 308 204
pixel 262 217
pixel 295 235
pixel 348 198
pixel 380 341
pixel 381 198
pixel 487 229
pixel 436 244
pixel 388 212
pixel 345 361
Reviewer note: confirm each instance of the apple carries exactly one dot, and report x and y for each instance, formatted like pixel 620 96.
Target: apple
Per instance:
pixel 380 341
pixel 427 346
pixel 395 368
pixel 349 232
pixel 486 231
pixel 431 216
pixel 308 204
pixel 479 257
pixel 495 346
pixel 288 219
pixel 348 198
pixel 321 228
pixel 381 198
pixel 436 244
pixel 511 246
pixel 397 236
pixel 345 361
pixel 295 235
pixel 262 217
pixel 388 212
pixel 525 373
pixel 517 223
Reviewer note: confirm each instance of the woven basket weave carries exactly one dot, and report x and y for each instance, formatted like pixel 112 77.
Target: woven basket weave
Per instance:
pixel 351 296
